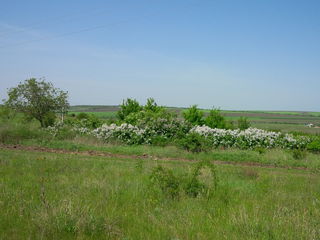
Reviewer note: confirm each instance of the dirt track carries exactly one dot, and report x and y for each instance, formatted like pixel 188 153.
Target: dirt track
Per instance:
pixel 145 156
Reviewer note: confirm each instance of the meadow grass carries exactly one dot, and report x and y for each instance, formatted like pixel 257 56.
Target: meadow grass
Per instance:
pixel 270 157
pixel 61 196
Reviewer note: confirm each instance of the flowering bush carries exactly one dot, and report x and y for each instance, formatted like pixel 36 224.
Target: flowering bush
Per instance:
pixel 125 133
pixel 165 129
pixel 55 128
pixel 250 138
pixel 61 131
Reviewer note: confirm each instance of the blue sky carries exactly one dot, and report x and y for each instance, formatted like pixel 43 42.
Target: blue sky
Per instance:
pixel 243 55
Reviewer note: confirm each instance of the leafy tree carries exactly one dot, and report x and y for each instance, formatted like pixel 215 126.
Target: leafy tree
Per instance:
pixel 38 99
pixel 194 116
pixel 127 107
pixel 243 123
pixel 215 119
pixel 151 106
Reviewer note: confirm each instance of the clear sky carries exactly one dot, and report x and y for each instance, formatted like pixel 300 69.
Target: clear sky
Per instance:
pixel 243 55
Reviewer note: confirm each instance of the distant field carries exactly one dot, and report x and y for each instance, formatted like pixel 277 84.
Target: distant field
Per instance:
pixel 272 120
pixel 102 115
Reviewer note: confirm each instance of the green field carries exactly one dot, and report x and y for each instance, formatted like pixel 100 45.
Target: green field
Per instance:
pixel 70 186
pixel 67 196
pixel 102 115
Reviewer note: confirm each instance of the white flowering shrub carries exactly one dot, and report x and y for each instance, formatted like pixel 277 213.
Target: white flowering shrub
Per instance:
pixel 250 138
pixel 55 128
pixel 150 130
pixel 125 133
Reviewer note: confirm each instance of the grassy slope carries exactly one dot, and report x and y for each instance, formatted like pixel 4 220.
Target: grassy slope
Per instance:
pixel 58 196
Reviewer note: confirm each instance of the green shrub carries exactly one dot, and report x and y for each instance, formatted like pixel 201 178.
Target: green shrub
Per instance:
pixel 194 142
pixel 65 133
pixel 84 120
pixel 194 116
pixel 195 187
pixel 151 106
pixel 127 107
pixel 160 141
pixel 215 119
pixel 314 146
pixel 165 179
pixel 298 154
pixel 260 150
pixel 82 115
pixel 49 119
pixel 243 123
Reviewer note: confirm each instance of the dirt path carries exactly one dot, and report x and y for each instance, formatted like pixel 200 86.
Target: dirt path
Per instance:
pixel 145 156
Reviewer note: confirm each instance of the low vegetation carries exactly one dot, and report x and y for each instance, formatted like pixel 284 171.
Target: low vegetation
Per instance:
pixel 63 196
pixel 149 173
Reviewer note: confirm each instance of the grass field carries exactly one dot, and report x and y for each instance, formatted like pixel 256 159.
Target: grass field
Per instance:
pixel 79 187
pixel 65 196
pixel 102 115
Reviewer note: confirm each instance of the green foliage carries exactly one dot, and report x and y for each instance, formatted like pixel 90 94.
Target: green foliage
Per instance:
pixel 84 120
pixel 151 106
pixel 243 123
pixel 6 113
pixel 195 187
pixel 298 154
pixel 11 133
pixel 215 119
pixel 82 115
pixel 194 116
pixel 195 143
pixel 314 146
pixel 38 99
pixel 192 185
pixel 165 179
pixel 260 150
pixel 49 119
pixel 127 107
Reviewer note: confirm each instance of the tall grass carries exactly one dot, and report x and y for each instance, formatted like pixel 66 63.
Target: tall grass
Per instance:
pixel 60 196
pixel 16 130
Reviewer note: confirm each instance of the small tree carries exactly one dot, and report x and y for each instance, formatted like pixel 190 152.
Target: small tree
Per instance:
pixel 128 106
pixel 243 123
pixel 194 116
pixel 38 99
pixel 215 119
pixel 152 106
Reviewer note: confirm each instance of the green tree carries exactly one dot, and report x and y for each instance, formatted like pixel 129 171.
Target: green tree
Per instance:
pixel 215 119
pixel 127 107
pixel 152 106
pixel 38 99
pixel 193 115
pixel 243 123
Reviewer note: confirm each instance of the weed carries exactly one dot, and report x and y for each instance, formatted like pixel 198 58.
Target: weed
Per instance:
pixel 298 154
pixel 166 180
pixel 198 184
